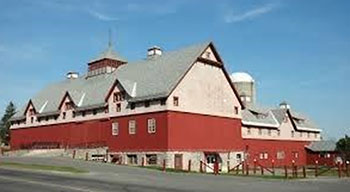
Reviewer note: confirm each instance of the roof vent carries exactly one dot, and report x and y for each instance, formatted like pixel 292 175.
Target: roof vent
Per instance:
pixel 284 105
pixel 72 75
pixel 154 51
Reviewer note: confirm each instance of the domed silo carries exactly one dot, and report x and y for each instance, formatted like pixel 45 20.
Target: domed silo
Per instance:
pixel 245 85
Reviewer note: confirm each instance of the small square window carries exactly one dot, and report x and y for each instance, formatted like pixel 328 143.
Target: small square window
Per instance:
pixel 236 110
pixel 176 101
pixel 132 106
pixel 147 103
pixel 162 101
pixel 132 127
pixel 118 107
pixel 115 128
pixel 151 125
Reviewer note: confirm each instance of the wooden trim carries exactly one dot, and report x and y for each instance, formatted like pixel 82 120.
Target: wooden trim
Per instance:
pixel 29 103
pixel 210 62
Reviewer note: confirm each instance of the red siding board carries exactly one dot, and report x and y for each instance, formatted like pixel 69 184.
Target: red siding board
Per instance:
pixel 189 131
pixel 254 147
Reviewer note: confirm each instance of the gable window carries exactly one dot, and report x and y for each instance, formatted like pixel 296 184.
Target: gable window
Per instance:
pixel 94 112
pixel 236 110
pixel 118 107
pixel 207 54
pixel 147 103
pixel 73 114
pixel 278 132
pixel 115 128
pixel 64 115
pixel 31 119
pixel 118 96
pixel 31 112
pixel 83 114
pixel 132 106
pixel 292 133
pixel 176 101
pixel 132 127
pixel 68 106
pixel 151 125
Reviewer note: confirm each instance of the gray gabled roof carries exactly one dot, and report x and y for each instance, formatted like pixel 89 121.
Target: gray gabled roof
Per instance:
pixel 146 79
pixel 322 146
pixel 258 116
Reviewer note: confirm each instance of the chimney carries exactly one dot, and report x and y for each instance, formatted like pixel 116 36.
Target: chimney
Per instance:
pixel 154 51
pixel 72 75
pixel 284 105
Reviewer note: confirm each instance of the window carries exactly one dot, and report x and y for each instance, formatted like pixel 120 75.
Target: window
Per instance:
pixel 315 135
pixel 132 159
pixel 162 101
pixel 249 131
pixel 118 107
pixel 260 131
pixel 280 155
pixel 300 134
pixel 292 133
pixel 236 110
pixel 176 101
pixel 68 105
pixel 64 115
pixel 263 155
pixel 31 112
pixel 269 132
pixel 115 128
pixel 151 125
pixel 151 159
pixel 132 127
pixel 118 96
pixel 147 103
pixel 83 114
pixel 31 119
pixel 278 132
pixel 106 110
pixel 73 114
pixel 295 154
pixel 207 54
pixel 132 106
pixel 94 112
pixel 308 134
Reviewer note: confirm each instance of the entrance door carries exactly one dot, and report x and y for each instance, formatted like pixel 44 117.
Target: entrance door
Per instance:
pixel 178 161
pixel 211 159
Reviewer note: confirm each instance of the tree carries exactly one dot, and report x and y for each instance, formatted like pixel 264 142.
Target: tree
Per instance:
pixel 343 146
pixel 5 123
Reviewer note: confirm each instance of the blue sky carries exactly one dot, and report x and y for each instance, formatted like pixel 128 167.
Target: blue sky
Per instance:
pixel 298 51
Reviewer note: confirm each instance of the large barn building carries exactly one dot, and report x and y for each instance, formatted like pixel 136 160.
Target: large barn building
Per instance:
pixel 176 106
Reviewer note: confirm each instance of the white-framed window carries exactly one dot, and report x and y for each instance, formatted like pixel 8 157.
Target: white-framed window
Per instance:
pixel 263 155
pixel 115 128
pixel 132 127
pixel 151 125
pixel 280 155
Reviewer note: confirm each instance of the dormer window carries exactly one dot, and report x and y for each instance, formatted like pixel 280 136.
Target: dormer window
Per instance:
pixel 64 115
pixel 176 101
pixel 68 106
pixel 31 112
pixel 118 96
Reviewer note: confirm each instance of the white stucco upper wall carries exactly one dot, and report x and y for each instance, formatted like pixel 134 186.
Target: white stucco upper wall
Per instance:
pixel 205 90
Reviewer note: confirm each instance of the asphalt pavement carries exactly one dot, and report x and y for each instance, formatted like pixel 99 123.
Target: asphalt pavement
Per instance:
pixel 108 177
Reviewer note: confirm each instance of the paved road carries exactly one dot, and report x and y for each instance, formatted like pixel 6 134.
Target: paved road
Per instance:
pixel 107 177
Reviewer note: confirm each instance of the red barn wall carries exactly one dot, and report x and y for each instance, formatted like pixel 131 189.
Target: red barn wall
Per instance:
pixel 188 131
pixel 312 157
pixel 254 147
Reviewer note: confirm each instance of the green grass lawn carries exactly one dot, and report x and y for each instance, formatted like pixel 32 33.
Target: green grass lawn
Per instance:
pixel 42 167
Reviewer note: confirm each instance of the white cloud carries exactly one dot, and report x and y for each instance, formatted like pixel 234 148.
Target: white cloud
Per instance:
pixel 232 18
pixel 102 17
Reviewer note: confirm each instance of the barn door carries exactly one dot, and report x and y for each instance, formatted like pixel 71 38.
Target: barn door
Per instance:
pixel 178 161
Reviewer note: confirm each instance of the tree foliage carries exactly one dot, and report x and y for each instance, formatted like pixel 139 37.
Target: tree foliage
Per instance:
pixel 5 123
pixel 343 146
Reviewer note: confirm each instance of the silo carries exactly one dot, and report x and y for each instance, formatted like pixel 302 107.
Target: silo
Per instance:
pixel 245 85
